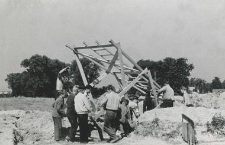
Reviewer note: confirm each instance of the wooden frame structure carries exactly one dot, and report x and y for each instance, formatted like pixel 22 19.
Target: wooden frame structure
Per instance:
pixel 188 130
pixel 113 63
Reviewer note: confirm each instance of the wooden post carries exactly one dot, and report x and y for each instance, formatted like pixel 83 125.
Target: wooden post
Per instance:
pixel 121 65
pixel 118 80
pixel 132 83
pixel 80 68
pixel 153 87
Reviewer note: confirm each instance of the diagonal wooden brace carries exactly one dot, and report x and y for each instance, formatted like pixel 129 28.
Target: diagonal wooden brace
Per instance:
pixel 133 82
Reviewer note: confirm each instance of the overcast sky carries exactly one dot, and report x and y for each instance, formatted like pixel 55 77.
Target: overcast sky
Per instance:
pixel 146 29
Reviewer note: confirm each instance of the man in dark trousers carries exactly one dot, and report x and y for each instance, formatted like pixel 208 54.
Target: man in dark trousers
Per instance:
pixel 71 114
pixel 58 113
pixel 82 107
pixel 112 102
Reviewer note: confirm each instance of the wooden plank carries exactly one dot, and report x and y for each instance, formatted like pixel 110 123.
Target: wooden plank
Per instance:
pixel 188 131
pixel 98 80
pixel 103 47
pixel 112 62
pixel 132 83
pixel 130 59
pixel 140 86
pixel 80 68
pixel 95 46
pixel 102 76
pixel 118 80
pixel 89 58
pixel 153 88
pixel 106 55
pixel 121 65
pixel 98 49
pixel 139 89
pixel 98 128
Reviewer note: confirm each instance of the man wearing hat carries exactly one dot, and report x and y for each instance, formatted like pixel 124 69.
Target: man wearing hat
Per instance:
pixel 83 107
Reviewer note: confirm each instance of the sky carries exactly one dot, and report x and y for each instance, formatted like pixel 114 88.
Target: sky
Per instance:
pixel 146 29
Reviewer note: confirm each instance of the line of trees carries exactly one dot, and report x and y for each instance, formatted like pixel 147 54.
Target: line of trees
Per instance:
pixel 39 77
pixel 204 87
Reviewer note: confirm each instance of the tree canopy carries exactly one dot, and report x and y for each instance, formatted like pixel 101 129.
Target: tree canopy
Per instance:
pixel 39 77
pixel 216 83
pixel 200 84
pixel 176 71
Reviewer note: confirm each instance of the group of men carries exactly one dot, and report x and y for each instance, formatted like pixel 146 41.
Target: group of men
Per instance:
pixel 118 111
pixel 76 107
pixel 77 110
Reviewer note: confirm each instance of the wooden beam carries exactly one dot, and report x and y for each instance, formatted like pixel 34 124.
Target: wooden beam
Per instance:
pixel 132 83
pixel 102 76
pixel 140 86
pixel 96 81
pixel 95 46
pixel 118 80
pixel 139 89
pixel 105 61
pixel 132 61
pixel 89 58
pixel 80 68
pixel 112 62
pixel 103 47
pixel 98 128
pixel 153 88
pixel 121 65
pixel 106 55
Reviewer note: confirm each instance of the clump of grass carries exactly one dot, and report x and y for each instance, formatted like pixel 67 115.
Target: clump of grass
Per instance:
pixel 217 125
pixel 165 130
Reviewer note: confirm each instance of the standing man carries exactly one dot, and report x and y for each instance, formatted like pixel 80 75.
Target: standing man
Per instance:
pixel 57 114
pixel 61 79
pixel 168 95
pixel 71 114
pixel 186 97
pixel 82 107
pixel 111 101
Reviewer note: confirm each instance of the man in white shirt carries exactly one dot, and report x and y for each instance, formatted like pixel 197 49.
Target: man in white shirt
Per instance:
pixel 168 95
pixel 82 107
pixel 186 97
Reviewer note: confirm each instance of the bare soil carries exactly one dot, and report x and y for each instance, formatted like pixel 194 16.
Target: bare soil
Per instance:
pixel 27 121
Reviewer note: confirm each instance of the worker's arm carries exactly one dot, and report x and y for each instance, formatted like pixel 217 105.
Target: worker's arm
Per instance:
pixel 161 90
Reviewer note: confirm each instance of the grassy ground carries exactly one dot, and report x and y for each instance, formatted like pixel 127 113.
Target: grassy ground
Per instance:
pixel 24 103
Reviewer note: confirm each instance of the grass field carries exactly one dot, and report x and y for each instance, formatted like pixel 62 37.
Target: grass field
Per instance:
pixel 26 103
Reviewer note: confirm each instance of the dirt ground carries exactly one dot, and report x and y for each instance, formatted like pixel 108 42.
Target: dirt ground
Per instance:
pixel 27 121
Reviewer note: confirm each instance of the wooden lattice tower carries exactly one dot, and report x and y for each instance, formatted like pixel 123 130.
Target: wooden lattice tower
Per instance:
pixel 113 62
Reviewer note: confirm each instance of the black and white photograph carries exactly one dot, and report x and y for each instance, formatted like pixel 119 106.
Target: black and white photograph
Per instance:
pixel 124 72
